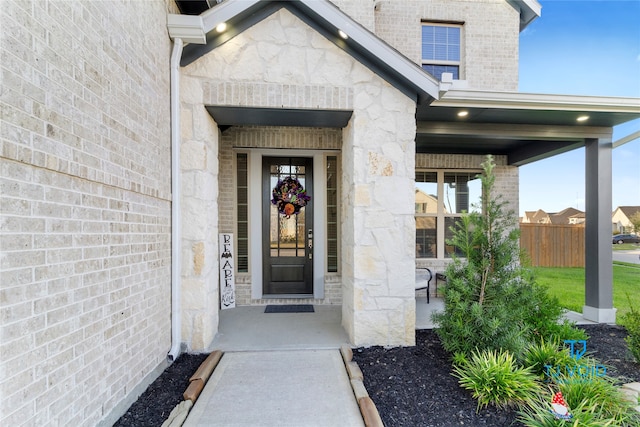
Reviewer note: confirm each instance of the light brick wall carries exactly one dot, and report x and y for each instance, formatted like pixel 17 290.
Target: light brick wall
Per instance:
pixel 85 150
pixel 359 10
pixel 490 36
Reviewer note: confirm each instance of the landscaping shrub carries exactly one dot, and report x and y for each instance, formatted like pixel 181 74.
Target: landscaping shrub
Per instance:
pixel 494 378
pixel 545 314
pixel 547 353
pixel 592 401
pixel 584 415
pixel 631 321
pixel 603 392
pixel 491 300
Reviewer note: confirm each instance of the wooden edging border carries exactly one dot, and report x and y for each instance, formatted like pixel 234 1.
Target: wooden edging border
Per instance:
pixel 368 409
pixel 196 384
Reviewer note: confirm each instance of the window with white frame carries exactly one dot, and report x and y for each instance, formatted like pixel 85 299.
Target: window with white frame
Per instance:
pixel 440 199
pixel 441 46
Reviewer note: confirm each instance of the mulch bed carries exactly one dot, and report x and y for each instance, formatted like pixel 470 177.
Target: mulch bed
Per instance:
pixel 411 386
pixel 154 405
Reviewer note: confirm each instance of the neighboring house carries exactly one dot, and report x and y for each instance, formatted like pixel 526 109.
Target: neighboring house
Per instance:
pixel 578 218
pixel 536 217
pixel 133 135
pixel 565 216
pixel 621 219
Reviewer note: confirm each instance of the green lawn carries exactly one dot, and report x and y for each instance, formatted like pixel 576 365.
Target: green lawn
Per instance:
pixel 568 285
pixel 625 246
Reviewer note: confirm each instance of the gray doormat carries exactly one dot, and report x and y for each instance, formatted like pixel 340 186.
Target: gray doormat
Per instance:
pixel 292 308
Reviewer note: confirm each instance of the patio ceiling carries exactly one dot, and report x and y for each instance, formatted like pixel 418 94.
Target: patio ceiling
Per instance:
pixel 524 127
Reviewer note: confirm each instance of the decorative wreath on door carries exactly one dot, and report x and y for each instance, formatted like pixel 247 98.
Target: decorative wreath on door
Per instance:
pixel 289 196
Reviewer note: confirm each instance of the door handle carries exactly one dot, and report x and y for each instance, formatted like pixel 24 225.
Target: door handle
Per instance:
pixel 310 238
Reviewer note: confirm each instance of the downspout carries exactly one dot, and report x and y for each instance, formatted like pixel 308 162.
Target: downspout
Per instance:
pixel 176 235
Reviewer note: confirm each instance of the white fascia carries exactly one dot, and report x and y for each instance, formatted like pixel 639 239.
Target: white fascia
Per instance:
pixel 189 28
pixel 536 101
pixel 223 12
pixel 194 28
pixel 529 11
pixel 629 138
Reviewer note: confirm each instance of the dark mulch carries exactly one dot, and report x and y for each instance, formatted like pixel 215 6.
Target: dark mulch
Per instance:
pixel 411 386
pixel 154 405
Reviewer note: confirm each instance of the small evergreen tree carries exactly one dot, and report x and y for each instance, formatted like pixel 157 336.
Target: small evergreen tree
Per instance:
pixel 635 222
pixel 491 301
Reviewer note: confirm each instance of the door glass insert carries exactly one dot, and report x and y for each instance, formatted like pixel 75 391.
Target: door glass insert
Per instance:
pixel 287 232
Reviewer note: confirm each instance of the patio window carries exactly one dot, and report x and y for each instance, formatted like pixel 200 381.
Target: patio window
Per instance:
pixel 242 212
pixel 332 214
pixel 440 199
pixel 441 49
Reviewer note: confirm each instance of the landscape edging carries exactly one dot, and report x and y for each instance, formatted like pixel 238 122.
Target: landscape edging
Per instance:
pixel 370 414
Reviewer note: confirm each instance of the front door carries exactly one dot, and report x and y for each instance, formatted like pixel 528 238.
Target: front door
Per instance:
pixel 287 226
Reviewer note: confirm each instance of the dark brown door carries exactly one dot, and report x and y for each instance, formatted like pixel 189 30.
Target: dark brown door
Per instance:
pixel 287 239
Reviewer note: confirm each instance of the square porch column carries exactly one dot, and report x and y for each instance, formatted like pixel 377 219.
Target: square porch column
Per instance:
pixel 598 231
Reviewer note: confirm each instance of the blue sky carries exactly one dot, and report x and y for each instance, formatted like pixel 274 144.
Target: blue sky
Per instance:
pixel 582 47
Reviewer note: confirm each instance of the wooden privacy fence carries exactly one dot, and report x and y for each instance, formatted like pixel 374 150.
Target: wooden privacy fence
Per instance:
pixel 553 245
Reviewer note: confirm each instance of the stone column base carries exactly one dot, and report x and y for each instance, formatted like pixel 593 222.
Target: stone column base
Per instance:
pixel 599 315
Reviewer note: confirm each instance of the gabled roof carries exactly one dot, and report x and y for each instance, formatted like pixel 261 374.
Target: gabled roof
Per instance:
pixel 323 16
pixel 563 216
pixel 629 211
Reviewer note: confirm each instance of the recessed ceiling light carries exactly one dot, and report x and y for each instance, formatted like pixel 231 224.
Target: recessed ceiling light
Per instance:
pixel 343 34
pixel 463 113
pixel 221 27
pixel 582 119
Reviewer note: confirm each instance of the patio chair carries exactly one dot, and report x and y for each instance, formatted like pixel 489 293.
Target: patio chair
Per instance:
pixel 423 279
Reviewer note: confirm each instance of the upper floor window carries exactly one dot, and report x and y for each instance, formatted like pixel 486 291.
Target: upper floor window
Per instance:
pixel 441 49
pixel 440 199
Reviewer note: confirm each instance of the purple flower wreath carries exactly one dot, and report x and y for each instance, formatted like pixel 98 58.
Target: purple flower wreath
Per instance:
pixel 289 196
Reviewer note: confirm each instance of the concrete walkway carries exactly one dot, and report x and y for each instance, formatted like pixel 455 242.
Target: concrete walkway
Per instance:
pixel 278 388
pixel 285 369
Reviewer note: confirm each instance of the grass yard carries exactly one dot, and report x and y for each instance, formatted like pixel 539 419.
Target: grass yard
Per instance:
pixel 625 246
pixel 568 285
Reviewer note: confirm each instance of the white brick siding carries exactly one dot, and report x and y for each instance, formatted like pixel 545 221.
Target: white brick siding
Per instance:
pixel 85 291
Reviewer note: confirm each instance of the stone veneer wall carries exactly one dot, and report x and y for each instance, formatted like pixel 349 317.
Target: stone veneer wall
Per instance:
pixel 244 138
pixel 86 203
pixel 281 62
pixel 490 36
